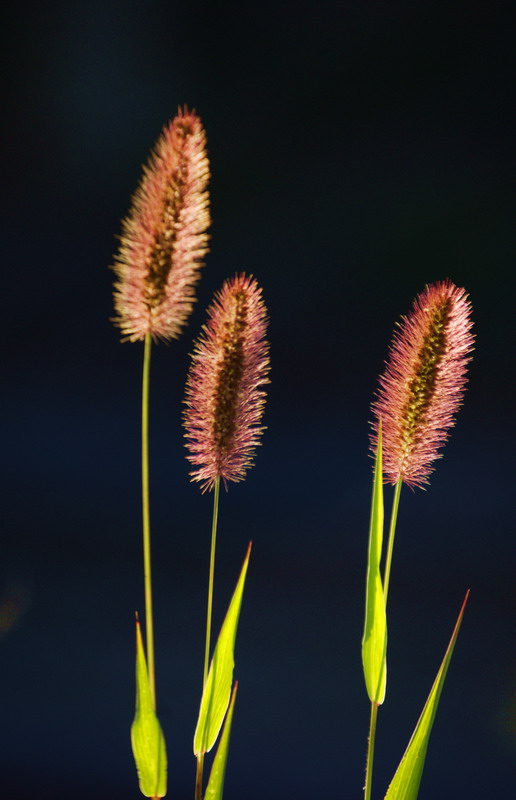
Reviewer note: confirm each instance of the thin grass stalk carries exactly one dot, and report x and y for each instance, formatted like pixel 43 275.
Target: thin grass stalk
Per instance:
pixel 211 581
pixel 147 573
pixel 370 751
pixel 198 776
pixel 390 543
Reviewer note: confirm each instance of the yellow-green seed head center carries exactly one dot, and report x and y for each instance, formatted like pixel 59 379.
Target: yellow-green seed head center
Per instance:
pixel 231 366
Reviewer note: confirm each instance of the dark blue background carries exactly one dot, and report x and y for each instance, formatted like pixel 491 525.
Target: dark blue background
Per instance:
pixel 359 150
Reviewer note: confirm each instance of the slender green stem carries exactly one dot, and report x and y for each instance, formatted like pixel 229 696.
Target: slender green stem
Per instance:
pixel 211 580
pixel 390 544
pixel 370 752
pixel 198 776
pixel 149 628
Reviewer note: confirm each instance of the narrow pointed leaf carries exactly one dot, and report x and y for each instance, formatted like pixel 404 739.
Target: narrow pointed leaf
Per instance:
pixel 147 738
pixel 218 770
pixel 215 697
pixel 405 784
pixel 374 641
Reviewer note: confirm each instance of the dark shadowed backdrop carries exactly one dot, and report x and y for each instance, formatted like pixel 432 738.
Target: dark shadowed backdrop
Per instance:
pixel 359 150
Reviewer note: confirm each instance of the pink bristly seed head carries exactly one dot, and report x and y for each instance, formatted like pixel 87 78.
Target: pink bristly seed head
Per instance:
pixel 164 236
pixel 423 382
pixel 224 401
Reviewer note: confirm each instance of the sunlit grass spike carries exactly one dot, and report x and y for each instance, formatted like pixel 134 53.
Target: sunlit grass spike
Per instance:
pixel 423 383
pixel 164 239
pixel 225 398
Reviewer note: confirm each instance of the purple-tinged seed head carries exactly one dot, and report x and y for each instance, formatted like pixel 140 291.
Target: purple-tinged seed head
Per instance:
pixel 224 399
pixel 423 382
pixel 164 237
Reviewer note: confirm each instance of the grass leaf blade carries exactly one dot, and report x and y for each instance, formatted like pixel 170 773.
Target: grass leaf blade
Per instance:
pixel 406 781
pixel 147 738
pixel 374 641
pixel 216 694
pixel 218 770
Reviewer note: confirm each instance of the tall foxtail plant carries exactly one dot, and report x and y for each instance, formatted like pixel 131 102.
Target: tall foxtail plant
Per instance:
pixel 420 392
pixel 224 407
pixel 162 246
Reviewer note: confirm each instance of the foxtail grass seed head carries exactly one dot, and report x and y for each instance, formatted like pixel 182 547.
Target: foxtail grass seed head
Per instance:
pixel 423 382
pixel 164 237
pixel 224 398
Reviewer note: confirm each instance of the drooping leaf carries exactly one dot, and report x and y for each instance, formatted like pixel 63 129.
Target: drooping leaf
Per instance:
pixel 218 770
pixel 406 781
pixel 374 641
pixel 215 697
pixel 147 737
